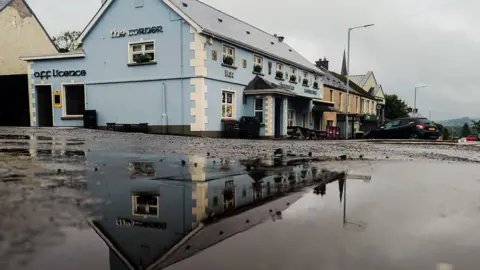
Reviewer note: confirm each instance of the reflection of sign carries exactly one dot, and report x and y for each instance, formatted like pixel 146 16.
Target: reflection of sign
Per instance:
pixel 128 223
pixel 136 32
pixel 229 74
pixel 59 73
pixel 287 87
pixel 311 92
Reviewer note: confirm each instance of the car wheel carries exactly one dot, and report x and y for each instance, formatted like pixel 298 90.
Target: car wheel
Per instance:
pixel 413 136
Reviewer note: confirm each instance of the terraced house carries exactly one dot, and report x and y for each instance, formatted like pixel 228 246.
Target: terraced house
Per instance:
pixel 362 107
pixel 181 66
pixel 20 33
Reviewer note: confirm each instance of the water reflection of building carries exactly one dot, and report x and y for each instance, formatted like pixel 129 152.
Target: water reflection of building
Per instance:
pixel 146 217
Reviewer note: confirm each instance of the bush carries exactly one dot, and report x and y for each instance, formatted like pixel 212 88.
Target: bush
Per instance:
pixel 279 75
pixel 228 60
pixel 257 69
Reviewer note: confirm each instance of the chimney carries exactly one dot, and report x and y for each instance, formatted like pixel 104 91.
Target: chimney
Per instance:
pixel 322 63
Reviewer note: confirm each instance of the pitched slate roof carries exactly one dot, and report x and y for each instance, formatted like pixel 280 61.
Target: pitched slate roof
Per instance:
pixel 4 4
pixel 215 22
pixel 354 87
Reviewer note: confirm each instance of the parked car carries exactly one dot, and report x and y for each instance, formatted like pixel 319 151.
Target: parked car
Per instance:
pixel 471 138
pixel 406 128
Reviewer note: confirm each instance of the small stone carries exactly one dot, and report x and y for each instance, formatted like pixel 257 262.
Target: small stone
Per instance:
pixel 343 157
pixel 387 157
pixel 361 156
pixel 247 221
pixel 208 154
pixel 184 162
pixel 220 233
pixel 196 165
pixel 59 171
pixel 278 213
pixel 310 154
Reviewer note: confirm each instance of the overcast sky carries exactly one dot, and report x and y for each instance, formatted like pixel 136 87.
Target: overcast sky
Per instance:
pixel 433 42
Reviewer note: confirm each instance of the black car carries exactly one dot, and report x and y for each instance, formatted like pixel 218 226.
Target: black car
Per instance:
pixel 406 128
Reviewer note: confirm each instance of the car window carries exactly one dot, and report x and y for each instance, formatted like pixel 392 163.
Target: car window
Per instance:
pixel 392 124
pixel 404 122
pixel 423 121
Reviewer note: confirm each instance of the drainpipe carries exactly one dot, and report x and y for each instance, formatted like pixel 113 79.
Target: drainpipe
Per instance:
pixel 164 119
pixel 181 73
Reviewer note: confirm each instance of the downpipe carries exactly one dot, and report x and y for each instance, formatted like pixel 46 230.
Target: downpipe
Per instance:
pixel 164 117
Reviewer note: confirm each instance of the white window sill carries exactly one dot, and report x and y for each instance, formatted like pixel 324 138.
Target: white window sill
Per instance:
pixel 142 64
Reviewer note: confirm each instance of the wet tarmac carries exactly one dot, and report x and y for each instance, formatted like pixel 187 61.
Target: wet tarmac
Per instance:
pixel 87 202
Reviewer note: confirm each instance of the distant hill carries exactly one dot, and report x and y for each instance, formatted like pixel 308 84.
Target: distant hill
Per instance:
pixel 456 122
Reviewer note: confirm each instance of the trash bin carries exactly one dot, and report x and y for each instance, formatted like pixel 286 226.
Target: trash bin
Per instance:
pixel 249 127
pixel 90 119
pixel 231 128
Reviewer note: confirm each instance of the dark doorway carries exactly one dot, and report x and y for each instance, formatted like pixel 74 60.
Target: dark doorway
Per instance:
pixel 317 120
pixel 14 103
pixel 44 103
pixel 278 117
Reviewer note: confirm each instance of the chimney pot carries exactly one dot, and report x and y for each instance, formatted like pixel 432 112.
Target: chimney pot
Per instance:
pixel 281 38
pixel 322 63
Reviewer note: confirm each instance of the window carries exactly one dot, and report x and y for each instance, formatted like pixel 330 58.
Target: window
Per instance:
pixel 331 95
pixel 74 99
pixel 244 63
pixel 141 53
pixel 228 104
pixel 340 101
pixel 329 123
pixel 315 78
pixel 138 3
pixel 258 61
pixel 291 118
pixel 229 52
pixel 145 204
pixel 294 72
pixel 279 67
pixel 269 68
pixel 258 109
pixel 305 75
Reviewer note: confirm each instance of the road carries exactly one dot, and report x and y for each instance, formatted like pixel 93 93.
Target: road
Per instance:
pixel 418 210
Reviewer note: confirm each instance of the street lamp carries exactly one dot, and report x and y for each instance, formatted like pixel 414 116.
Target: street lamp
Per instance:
pixel 348 73
pixel 415 101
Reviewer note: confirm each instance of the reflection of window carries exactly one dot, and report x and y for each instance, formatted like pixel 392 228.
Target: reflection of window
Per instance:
pixel 142 52
pixel 141 169
pixel 269 189
pixel 228 104
pixel 244 192
pixel 145 204
pixel 291 118
pixel 279 67
pixel 258 109
pixel 74 99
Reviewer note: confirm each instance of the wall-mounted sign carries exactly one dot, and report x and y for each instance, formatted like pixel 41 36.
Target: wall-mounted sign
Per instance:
pixel 287 86
pixel 126 223
pixel 229 74
pixel 136 32
pixel 311 92
pixel 57 101
pixel 59 73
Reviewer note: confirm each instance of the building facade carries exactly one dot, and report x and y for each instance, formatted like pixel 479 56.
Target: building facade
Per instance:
pixel 362 105
pixel 368 82
pixel 22 33
pixel 181 66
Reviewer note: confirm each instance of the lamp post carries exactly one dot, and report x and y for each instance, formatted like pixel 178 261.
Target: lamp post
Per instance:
pixel 348 73
pixel 415 100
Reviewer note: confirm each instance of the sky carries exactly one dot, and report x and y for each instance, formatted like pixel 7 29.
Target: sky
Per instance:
pixel 431 42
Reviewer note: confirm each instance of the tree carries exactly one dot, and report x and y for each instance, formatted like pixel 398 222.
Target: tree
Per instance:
pixel 466 130
pixel 476 126
pixel 395 107
pixel 65 42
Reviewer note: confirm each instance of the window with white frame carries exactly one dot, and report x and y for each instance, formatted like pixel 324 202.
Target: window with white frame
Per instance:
pixel 258 61
pixel 258 109
pixel 142 52
pixel 228 104
pixel 74 95
pixel 280 67
pixel 306 76
pixel 294 72
pixel 145 204
pixel 331 96
pixel 228 52
pixel 291 118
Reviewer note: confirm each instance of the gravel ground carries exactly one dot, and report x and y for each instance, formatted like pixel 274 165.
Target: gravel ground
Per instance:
pixel 52 193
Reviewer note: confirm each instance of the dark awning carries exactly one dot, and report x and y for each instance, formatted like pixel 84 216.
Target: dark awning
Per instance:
pixel 260 86
pixel 323 106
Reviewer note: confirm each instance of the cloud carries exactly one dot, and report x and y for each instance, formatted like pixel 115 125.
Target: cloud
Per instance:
pixel 412 42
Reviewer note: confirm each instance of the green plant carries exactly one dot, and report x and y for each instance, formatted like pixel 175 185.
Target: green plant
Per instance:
pixel 293 78
pixel 315 85
pixel 257 69
pixel 228 60
pixel 142 58
pixel 279 75
pixel 305 82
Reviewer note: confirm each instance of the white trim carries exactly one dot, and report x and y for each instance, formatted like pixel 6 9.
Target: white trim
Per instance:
pixel 53 99
pixel 64 101
pixel 47 57
pixel 234 53
pixel 142 42
pixel 234 104
pixel 255 63
pixel 183 15
pixel 255 108
pixel 93 22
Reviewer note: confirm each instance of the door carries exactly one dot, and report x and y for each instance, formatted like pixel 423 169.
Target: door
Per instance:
pixel 317 120
pixel 44 103
pixel 278 117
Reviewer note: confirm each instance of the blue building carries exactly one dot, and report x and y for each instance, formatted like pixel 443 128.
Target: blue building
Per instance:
pixel 179 65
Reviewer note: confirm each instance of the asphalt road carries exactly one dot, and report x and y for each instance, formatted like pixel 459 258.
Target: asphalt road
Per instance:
pixel 419 210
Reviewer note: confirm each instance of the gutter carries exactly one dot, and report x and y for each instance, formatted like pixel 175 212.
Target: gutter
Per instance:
pixel 52 57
